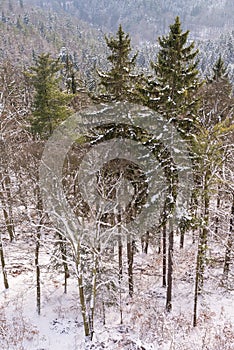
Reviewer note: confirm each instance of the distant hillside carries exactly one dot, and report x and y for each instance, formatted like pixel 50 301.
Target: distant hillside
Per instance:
pixel 29 27
pixel 147 19
pixel 28 30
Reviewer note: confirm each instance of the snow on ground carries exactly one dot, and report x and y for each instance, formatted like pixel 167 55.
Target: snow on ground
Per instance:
pixel 146 325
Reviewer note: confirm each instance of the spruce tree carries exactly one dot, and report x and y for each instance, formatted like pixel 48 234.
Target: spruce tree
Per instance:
pixel 50 105
pixel 120 81
pixel 172 92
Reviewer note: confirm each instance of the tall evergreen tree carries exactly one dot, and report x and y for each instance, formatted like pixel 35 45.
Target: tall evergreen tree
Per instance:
pixel 120 81
pixel 172 92
pixel 50 105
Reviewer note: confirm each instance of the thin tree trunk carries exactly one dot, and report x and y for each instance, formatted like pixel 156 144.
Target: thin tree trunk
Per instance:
pixel 229 245
pixel 170 269
pixel 103 313
pixel 194 209
pixel 120 261
pixel 146 245
pixel 7 185
pixel 164 254
pixel 130 264
pixel 63 248
pixel 182 232
pixel 38 274
pixel 202 248
pixel 37 250
pixel 217 208
pixel 7 218
pixel 120 247
pixel 93 296
pixel 159 242
pixel 5 191
pixel 81 293
pixel 196 290
pixel 5 280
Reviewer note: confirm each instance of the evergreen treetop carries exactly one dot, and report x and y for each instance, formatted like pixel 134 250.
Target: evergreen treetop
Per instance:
pixel 172 91
pixel 119 82
pixel 50 105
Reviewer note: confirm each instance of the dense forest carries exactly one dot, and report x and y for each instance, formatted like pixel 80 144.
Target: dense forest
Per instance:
pixel 116 175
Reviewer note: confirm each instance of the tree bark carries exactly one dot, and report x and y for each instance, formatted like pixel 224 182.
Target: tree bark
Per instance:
pixel 5 279
pixel 217 208
pixel 145 242
pixel 164 283
pixel 93 295
pixel 63 249
pixel 5 192
pixel 202 248
pixel 81 293
pixel 170 270
pixel 130 264
pixel 37 250
pixel 182 232
pixel 229 245
pixel 120 247
pixel 196 292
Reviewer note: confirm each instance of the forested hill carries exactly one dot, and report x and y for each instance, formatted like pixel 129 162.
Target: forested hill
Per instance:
pixel 27 30
pixel 146 19
pixel 29 27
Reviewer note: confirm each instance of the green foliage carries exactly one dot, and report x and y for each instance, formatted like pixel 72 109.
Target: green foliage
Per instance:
pixel 50 103
pixel 120 81
pixel 219 69
pixel 172 92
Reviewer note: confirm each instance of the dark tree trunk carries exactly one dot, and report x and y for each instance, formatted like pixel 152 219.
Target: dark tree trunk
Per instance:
pixel 38 274
pixel 164 254
pixel 229 245
pixel 5 191
pixel 159 242
pixel 182 232
pixel 217 208
pixel 5 280
pixel 120 247
pixel 146 242
pixel 37 250
pixel 170 270
pixel 63 249
pixel 196 293
pixel 130 247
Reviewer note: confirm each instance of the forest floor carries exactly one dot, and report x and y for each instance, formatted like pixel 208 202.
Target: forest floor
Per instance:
pixel 145 325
